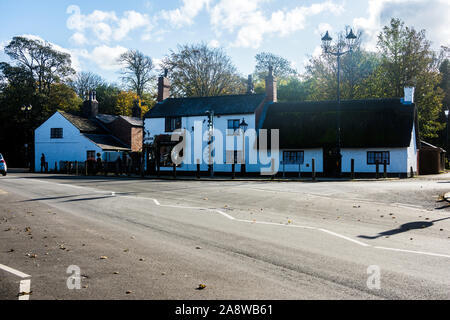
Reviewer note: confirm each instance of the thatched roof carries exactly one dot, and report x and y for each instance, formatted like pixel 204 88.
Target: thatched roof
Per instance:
pixel 364 123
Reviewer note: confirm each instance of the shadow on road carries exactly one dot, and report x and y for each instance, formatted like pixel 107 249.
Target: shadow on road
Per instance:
pixel 404 228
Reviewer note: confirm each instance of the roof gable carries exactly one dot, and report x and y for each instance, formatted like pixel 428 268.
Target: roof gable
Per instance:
pixel 196 106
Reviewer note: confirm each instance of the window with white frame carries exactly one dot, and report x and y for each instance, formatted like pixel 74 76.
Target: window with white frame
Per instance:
pixel 293 157
pixel 56 133
pixel 377 156
pixel 233 126
pixel 172 123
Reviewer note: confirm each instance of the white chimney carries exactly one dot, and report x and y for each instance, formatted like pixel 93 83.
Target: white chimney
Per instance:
pixel 409 95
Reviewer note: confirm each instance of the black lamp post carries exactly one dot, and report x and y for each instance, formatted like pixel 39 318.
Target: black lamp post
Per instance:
pixel 243 125
pixel 210 114
pixel 446 139
pixel 27 110
pixel 341 49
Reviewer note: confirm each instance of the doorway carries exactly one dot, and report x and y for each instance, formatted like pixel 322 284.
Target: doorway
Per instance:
pixel 332 162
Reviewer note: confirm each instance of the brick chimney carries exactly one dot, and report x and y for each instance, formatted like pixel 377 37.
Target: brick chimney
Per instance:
pixel 163 87
pixel 136 112
pixel 90 105
pixel 250 86
pixel 271 86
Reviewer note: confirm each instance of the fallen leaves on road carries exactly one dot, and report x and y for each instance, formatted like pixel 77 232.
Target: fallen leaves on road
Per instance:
pixel 201 286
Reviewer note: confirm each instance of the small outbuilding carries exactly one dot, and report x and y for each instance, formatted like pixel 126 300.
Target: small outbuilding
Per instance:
pixel 431 159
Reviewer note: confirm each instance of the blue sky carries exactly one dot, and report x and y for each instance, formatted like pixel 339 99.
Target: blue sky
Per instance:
pixel 96 32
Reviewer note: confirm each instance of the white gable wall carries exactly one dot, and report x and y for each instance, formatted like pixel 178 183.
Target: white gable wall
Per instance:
pixel 412 152
pixel 72 147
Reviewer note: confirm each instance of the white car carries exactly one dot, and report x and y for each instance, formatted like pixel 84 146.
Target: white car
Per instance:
pixel 3 167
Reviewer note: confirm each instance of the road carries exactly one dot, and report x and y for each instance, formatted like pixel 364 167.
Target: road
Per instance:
pixel 161 239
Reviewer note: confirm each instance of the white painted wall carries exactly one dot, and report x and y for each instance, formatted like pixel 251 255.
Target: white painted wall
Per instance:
pixel 309 154
pixel 397 157
pixel 412 153
pixel 156 126
pixel 401 159
pixel 72 147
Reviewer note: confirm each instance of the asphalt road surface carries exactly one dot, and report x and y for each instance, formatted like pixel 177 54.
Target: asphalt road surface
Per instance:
pixel 161 239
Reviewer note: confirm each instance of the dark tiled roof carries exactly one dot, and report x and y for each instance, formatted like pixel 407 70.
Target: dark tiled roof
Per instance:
pixel 106 118
pixel 83 124
pixel 107 142
pixel 133 121
pixel 221 105
pixel 364 123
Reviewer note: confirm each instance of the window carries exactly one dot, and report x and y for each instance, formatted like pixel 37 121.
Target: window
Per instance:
pixel 233 126
pixel 173 123
pixel 293 157
pixel 377 156
pixel 91 155
pixel 56 133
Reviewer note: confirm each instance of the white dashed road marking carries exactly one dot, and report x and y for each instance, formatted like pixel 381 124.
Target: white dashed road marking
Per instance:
pixel 25 284
pixel 278 224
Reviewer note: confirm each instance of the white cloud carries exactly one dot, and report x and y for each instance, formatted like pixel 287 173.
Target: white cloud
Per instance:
pixel 78 38
pixel 431 15
pixel 104 56
pixel 186 13
pixel 214 43
pixel 252 25
pixel 105 26
pixel 322 28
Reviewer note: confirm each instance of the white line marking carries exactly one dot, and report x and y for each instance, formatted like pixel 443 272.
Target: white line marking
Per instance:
pixel 24 285
pixel 25 289
pixel 344 237
pixel 277 224
pixel 14 271
pixel 417 252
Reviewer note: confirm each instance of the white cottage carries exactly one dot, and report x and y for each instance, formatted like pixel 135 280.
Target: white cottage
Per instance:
pixel 371 132
pixel 67 137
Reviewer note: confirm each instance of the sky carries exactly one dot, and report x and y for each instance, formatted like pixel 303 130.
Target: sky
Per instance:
pixel 96 32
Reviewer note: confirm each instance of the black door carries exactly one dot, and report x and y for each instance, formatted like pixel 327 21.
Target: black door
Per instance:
pixel 331 162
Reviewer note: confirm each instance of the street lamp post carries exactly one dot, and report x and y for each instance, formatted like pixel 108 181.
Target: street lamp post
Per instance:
pixel 27 110
pixel 446 139
pixel 340 51
pixel 243 125
pixel 210 114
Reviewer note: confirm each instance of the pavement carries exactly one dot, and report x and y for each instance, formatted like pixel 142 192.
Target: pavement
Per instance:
pixel 160 239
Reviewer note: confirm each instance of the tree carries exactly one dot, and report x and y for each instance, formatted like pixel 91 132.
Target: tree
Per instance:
pixel 198 70
pixel 282 68
pixel 407 60
pixel 137 71
pixel 444 69
pixel 44 64
pixel 356 67
pixel 107 98
pixel 84 82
